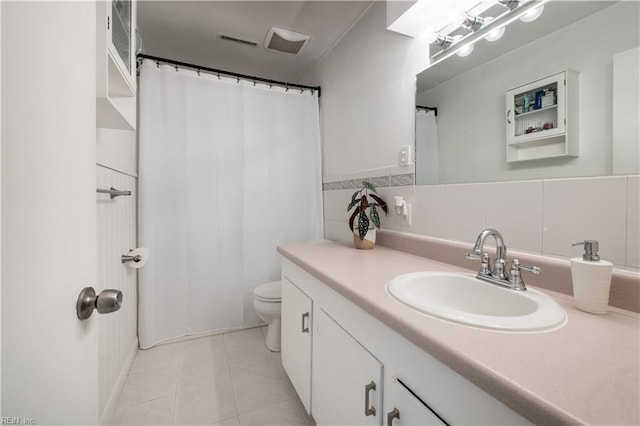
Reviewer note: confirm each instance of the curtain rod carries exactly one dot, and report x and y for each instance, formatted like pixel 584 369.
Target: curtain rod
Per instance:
pixel 426 108
pixel 228 73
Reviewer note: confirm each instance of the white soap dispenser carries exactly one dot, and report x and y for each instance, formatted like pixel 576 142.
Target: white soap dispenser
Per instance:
pixel 591 279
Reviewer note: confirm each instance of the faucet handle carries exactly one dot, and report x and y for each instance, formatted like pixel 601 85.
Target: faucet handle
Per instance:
pixel 515 265
pixel 514 275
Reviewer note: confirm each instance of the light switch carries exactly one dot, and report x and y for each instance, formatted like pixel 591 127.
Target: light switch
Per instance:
pixel 406 157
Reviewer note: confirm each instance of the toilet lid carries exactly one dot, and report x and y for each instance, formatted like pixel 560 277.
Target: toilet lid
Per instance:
pixel 269 291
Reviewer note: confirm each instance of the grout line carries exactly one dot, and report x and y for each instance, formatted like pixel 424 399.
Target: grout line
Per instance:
pixel 233 389
pixel 175 392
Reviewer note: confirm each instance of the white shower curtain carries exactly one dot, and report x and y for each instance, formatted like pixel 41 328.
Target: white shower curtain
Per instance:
pixel 427 170
pixel 227 172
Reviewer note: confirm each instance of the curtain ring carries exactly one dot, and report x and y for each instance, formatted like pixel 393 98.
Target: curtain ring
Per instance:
pixel 157 64
pixel 287 87
pixel 254 83
pixel 237 79
pixel 301 91
pixel 198 72
pixel 218 76
pixel 176 66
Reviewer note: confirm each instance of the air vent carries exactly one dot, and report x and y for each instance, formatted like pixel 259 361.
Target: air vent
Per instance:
pixel 238 40
pixel 285 41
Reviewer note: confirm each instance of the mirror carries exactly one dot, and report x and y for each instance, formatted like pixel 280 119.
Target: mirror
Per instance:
pixel 466 142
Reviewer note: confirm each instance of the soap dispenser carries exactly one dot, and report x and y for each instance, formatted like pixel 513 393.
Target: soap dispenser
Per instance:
pixel 591 279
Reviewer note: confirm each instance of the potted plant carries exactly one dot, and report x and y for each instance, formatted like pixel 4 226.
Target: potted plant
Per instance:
pixel 364 234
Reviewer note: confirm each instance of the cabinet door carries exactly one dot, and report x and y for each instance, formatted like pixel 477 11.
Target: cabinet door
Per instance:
pixel 407 409
pixel 296 339
pixel 347 379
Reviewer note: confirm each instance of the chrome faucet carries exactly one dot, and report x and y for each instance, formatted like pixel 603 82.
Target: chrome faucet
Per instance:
pixel 497 275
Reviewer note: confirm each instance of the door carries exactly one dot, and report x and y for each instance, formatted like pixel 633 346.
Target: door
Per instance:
pixel 347 379
pixel 49 357
pixel 296 339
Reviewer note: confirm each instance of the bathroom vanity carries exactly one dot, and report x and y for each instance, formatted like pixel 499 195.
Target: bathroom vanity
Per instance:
pixel 357 356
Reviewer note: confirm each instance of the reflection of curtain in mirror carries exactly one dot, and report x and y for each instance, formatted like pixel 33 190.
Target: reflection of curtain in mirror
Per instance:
pixel 426 148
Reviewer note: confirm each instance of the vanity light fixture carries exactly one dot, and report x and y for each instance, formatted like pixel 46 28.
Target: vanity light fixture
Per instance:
pixel 474 23
pixel 464 50
pixel 488 28
pixel 496 34
pixel 442 40
pixel 511 4
pixel 532 14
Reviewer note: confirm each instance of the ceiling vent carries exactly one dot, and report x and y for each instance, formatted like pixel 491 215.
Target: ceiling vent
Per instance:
pixel 285 41
pixel 238 40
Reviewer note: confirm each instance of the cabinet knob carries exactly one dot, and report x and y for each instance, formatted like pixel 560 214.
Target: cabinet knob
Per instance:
pixel 369 410
pixel 393 414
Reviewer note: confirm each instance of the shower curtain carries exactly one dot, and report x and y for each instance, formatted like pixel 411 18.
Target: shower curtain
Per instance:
pixel 227 171
pixel 427 171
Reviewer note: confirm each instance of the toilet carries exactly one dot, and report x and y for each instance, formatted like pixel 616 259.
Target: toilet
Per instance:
pixel 267 300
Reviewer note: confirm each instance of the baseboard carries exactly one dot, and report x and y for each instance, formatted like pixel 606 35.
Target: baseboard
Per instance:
pixel 110 406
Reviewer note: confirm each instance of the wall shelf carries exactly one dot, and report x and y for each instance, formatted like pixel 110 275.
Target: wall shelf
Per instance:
pixel 115 65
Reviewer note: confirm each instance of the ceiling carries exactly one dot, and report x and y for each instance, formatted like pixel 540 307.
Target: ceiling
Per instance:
pixel 187 31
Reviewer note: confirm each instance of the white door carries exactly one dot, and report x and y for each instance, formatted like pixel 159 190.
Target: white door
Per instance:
pixel 49 357
pixel 347 379
pixel 296 339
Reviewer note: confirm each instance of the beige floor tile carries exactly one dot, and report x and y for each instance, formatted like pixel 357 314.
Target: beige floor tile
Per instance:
pixel 157 357
pixel 253 391
pixel 286 413
pixel 155 412
pixel 205 404
pixel 149 385
pixel 251 339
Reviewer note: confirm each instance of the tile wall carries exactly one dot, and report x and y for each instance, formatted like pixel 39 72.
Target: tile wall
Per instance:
pixel 536 216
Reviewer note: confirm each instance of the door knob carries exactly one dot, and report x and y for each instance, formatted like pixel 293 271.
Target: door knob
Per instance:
pixel 106 302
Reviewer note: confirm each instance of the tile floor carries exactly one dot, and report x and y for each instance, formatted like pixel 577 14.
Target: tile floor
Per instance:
pixel 228 379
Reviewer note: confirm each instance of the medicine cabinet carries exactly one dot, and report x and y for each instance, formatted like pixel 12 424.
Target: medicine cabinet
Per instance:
pixel 115 64
pixel 542 118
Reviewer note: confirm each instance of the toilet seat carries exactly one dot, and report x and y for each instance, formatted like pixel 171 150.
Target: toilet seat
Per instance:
pixel 269 292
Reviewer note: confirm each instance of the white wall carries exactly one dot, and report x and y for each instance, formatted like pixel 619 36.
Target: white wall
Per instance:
pixel 471 107
pixel 368 95
pixel 118 340
pixel 117 150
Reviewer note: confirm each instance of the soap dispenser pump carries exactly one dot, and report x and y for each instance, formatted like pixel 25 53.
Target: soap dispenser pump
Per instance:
pixel 591 279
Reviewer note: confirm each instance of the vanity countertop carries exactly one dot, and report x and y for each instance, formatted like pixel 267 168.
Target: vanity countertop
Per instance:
pixel 585 372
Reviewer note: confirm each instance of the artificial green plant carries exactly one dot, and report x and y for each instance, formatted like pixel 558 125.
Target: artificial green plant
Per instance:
pixel 360 200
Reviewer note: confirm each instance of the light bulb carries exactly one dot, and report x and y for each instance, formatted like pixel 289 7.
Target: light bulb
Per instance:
pixel 532 14
pixel 496 34
pixel 465 50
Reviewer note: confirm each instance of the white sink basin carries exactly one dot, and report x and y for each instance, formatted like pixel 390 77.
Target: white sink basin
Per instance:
pixel 464 299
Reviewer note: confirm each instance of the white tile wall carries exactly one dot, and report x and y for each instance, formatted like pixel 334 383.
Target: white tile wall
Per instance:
pixel 116 229
pixel 633 221
pixel 429 211
pixel 515 209
pixel 539 216
pixel 585 209
pixel 466 211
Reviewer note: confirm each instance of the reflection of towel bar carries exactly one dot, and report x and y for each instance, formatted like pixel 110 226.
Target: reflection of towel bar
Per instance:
pixel 112 192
